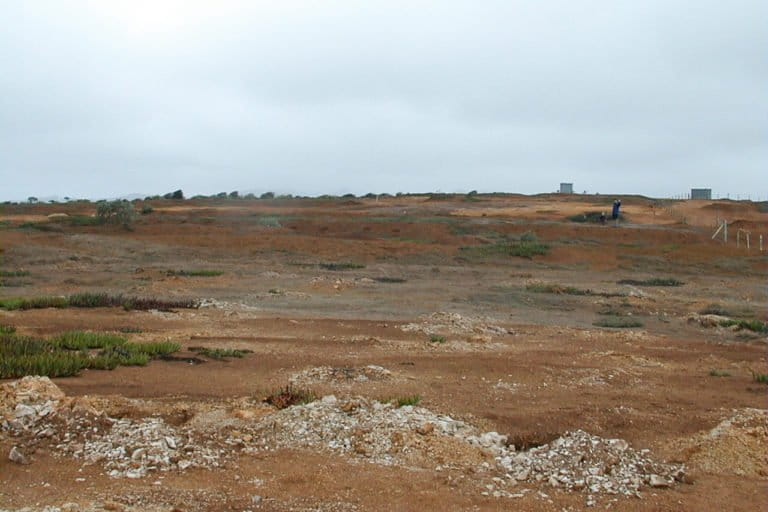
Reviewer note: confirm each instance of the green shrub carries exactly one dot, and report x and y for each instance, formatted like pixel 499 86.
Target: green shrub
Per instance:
pixel 340 266
pixel 7 329
pixel 195 273
pixel 656 281
pixel 719 373
pixel 220 353
pixel 83 220
pixel 116 212
pixel 761 378
pixel 147 209
pixel 14 273
pixel 619 322
pixel 407 400
pixel 751 325
pixel 521 249
pixel 389 279
pixel 51 364
pixel 78 340
pixel 715 309
pixel 289 395
pixel 436 338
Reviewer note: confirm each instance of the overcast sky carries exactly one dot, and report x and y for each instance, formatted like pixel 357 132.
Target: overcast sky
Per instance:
pixel 107 98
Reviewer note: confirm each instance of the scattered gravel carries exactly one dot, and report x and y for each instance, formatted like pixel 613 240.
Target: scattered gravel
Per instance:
pixel 340 375
pixel 444 323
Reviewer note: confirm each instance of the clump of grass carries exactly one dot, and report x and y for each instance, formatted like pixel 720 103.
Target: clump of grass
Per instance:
pixel 129 330
pixel 750 325
pixel 69 353
pixel 719 373
pixel 79 340
pixel 715 309
pixel 519 249
pixel 436 338
pixel 83 220
pixel 268 221
pixel 290 395
pixel 14 273
pixel 656 281
pixel 7 329
pixel 761 378
pixel 220 353
pixel 195 273
pixel 386 279
pixel 33 303
pixel 341 266
pixel 618 322
pixel 407 400
pixel 51 364
pixel 568 290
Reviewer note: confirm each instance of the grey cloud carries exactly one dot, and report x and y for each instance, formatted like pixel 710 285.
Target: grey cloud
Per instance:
pixel 648 97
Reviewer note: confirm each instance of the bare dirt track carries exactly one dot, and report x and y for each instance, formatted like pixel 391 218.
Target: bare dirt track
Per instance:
pixel 374 301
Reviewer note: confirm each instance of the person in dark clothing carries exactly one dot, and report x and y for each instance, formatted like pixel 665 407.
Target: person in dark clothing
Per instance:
pixel 616 207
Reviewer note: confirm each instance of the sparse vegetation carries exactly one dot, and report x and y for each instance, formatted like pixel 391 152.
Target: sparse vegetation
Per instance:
pixel 129 330
pixel 290 395
pixel 14 273
pixel 656 281
pixel 715 309
pixel 618 322
pixel 340 266
pixel 436 338
pixel 7 329
pixel 195 273
pixel 389 279
pixel 116 212
pixel 519 249
pixel 97 300
pixel 268 221
pixel 147 209
pixel 68 353
pixel 719 373
pixel 220 353
pixel 568 290
pixel 407 400
pixel 761 378
pixel 750 325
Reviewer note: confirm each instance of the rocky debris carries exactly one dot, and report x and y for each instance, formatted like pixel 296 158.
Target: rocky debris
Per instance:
pixel 706 320
pixel 24 402
pixel 17 456
pixel 132 449
pixel 35 410
pixel 444 323
pixel 738 445
pixel 377 431
pixel 340 375
pixel 383 433
pixel 579 461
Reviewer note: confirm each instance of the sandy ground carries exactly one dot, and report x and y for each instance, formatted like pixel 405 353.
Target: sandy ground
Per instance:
pixel 545 371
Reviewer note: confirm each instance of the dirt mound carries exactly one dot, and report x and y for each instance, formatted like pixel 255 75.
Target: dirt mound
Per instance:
pixel 444 323
pixel 340 375
pixel 738 445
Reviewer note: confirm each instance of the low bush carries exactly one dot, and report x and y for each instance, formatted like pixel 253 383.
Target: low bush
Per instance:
pixel 750 325
pixel 719 373
pixel 436 338
pixel 69 353
pixel 289 395
pixel 761 378
pixel 389 279
pixel 79 340
pixel 14 273
pixel 220 353
pixel 7 329
pixel 568 290
pixel 656 281
pixel 519 249
pixel 618 322
pixel 340 266
pixel 407 400
pixel 195 273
